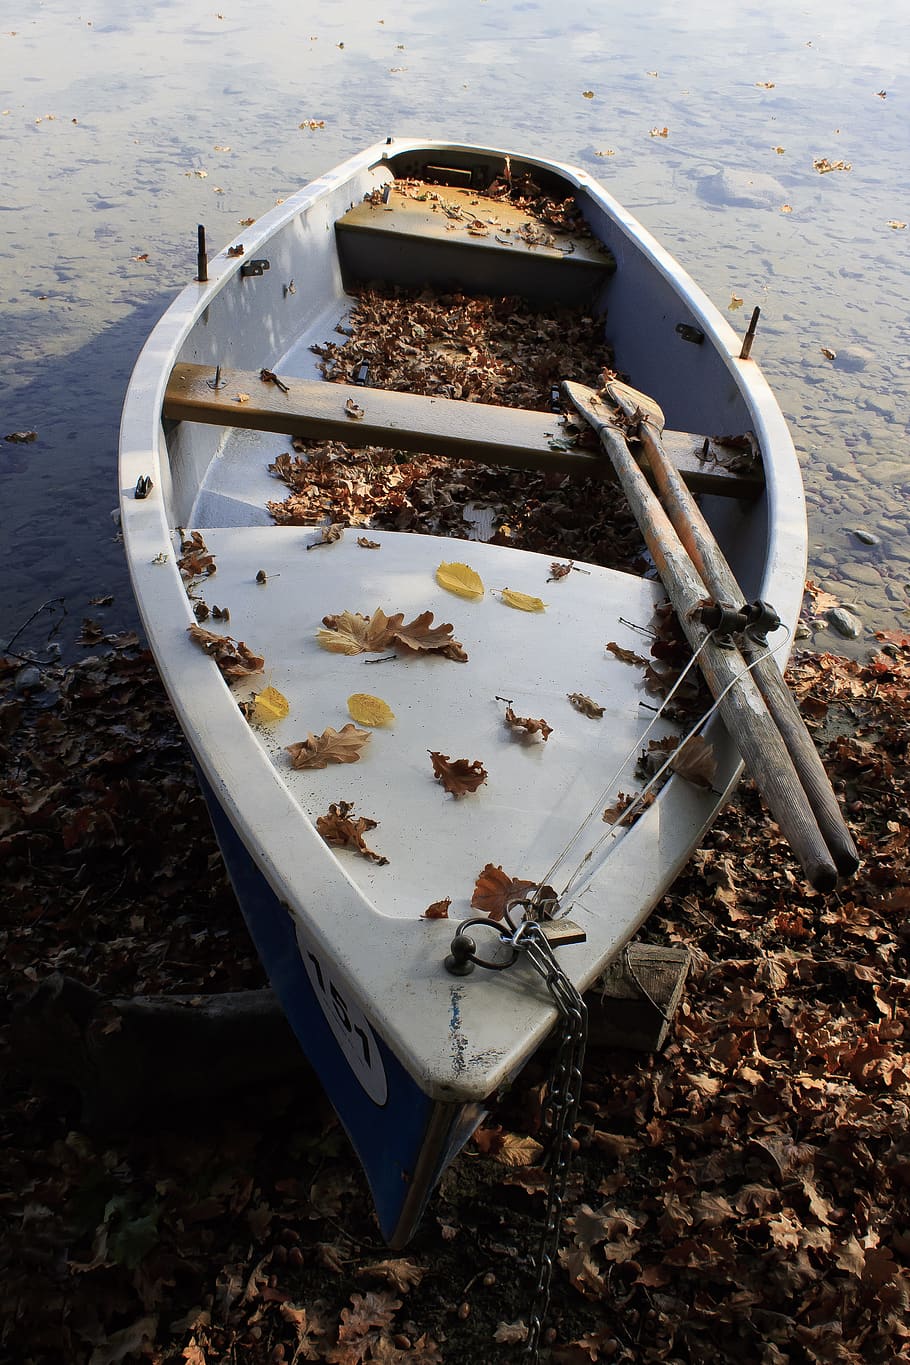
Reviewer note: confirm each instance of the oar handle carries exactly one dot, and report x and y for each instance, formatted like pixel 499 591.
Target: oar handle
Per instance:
pixel 741 705
pixel 708 558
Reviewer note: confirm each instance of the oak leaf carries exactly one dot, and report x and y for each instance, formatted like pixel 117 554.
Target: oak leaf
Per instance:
pixel 332 746
pixel 341 829
pixel 420 635
pixel 585 705
pixel 352 633
pixel 232 656
pixel 399 1272
pixel 627 656
pixel 459 776
pixel 495 891
pixel 530 727
pixel 195 559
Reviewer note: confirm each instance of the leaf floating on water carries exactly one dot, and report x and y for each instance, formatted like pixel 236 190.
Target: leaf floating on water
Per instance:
pixel 368 710
pixel 892 223
pixel 21 438
pixel 495 891
pixel 626 656
pixel 353 410
pixel 587 94
pixel 786 208
pixel 332 746
pixel 764 85
pixel 232 657
pixel 342 830
pixel 459 776
pixel 779 150
pixel 438 910
pixel 351 633
pixel 521 601
pixel 530 727
pixel 270 705
pixel 735 302
pixel 366 544
pixel 828 353
pixel 823 165
pixel 659 132
pixel 696 762
pixel 460 579
pixel 585 705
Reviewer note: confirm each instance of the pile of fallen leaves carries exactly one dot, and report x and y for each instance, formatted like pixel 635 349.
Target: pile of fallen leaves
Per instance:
pixel 742 1196
pixel 478 349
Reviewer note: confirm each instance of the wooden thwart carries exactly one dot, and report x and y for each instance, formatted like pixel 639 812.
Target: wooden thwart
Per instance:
pixel 514 437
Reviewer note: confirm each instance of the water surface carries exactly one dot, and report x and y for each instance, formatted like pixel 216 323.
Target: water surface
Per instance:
pixel 125 125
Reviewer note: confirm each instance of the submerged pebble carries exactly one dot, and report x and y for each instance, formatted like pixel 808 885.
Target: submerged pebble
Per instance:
pixel 845 622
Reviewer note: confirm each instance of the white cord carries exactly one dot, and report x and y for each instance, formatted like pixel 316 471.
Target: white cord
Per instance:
pixel 615 826
pixel 607 791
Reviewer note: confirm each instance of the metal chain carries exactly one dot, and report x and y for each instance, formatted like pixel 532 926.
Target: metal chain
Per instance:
pixel 559 1113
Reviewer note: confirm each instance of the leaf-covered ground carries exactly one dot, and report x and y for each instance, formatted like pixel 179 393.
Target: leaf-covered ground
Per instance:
pixel 740 1197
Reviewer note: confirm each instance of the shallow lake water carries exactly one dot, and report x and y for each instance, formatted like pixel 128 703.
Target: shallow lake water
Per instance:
pixel 123 126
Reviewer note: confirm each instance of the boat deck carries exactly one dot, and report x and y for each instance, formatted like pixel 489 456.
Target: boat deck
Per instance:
pixel 537 793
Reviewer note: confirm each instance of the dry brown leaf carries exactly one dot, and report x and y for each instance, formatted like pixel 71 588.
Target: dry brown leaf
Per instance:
pixel 400 1272
pixel 195 559
pixel 626 656
pixel 420 636
pixel 342 829
pixel 459 776
pixel 352 409
pixel 558 571
pixel 332 746
pixel 509 1333
pixel 614 814
pixel 366 544
pixel 328 535
pixel 232 656
pixel 514 1150
pixel 495 892
pixel 438 910
pixel 21 438
pixel 696 762
pixel 585 705
pixel 530 727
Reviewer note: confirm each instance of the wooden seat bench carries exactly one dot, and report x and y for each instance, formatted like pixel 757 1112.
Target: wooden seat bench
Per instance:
pixel 452 238
pixel 514 437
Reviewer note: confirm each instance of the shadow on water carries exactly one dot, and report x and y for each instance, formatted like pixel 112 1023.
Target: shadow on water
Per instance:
pixel 58 493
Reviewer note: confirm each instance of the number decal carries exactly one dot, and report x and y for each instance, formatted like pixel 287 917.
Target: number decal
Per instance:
pixel 349 1026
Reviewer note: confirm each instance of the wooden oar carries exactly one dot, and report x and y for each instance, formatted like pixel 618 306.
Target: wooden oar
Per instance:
pixel 709 560
pixel 742 709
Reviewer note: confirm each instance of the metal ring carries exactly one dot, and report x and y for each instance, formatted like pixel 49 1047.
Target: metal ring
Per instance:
pixel 482 961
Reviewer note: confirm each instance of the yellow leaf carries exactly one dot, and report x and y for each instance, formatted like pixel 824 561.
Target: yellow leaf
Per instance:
pixel 271 705
pixel 735 302
pixel 521 601
pixel 587 94
pixel 367 710
pixel 461 580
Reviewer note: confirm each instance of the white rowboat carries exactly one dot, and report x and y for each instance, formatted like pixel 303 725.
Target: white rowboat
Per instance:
pixel 407 1052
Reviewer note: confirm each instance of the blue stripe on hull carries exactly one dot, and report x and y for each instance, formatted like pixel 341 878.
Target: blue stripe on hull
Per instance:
pixel 405 1142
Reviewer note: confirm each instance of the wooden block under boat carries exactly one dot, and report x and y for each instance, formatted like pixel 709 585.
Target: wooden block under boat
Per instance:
pixel 451 237
pixel 515 437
